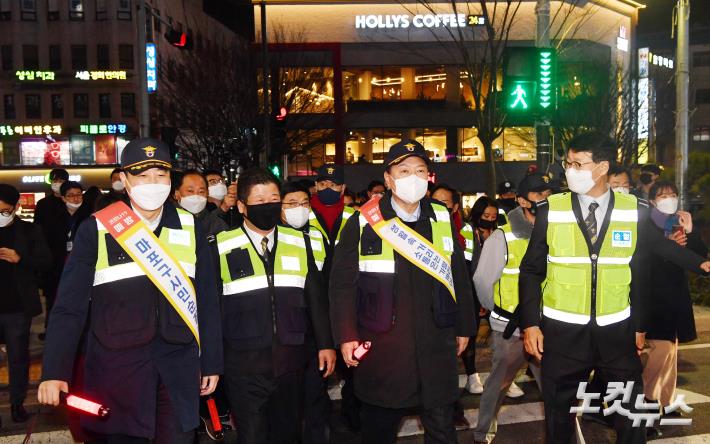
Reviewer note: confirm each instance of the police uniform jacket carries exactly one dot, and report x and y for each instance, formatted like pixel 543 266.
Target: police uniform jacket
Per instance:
pixel 414 362
pixel 583 342
pixel 135 339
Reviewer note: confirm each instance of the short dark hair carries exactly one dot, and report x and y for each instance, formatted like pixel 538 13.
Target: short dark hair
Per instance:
pixel 375 183
pixel 9 194
pixel 58 173
pixel 307 183
pixel 293 187
pixel 455 195
pixel 601 146
pixel 181 177
pixel 69 185
pixel 254 176
pixel 659 186
pixel 116 170
pixel 214 171
pixel 616 170
pixel 651 168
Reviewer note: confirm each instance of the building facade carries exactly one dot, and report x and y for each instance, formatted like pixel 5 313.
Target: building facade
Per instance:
pixel 372 73
pixel 69 80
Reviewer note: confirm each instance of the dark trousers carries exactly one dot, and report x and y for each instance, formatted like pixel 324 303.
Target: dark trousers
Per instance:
pixel 16 331
pixel 167 427
pixel 350 405
pixel 561 376
pixel 380 424
pixel 316 405
pixel 266 409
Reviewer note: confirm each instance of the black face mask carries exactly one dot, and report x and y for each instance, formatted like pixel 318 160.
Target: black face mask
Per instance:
pixel 645 178
pixel 264 216
pixel 533 207
pixel 328 196
pixel 487 224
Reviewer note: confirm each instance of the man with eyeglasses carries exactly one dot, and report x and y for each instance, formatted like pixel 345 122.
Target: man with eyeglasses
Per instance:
pixel 589 247
pixel 222 197
pixel 295 210
pixel 23 254
pixel 400 282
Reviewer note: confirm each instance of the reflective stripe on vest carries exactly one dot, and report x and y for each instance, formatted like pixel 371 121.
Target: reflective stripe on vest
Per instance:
pixel 467 233
pixel 313 221
pixel 505 290
pixel 180 245
pixel 317 247
pixel 441 230
pixel 567 294
pixel 290 263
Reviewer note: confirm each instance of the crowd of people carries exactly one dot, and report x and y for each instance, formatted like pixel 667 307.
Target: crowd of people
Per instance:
pixel 175 286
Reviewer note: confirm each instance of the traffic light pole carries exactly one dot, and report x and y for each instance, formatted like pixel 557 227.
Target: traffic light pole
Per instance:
pixel 265 86
pixel 144 121
pixel 682 14
pixel 542 124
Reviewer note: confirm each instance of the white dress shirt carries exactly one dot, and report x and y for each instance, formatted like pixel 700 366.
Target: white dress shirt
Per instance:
pixel 406 217
pixel 600 212
pixel 256 238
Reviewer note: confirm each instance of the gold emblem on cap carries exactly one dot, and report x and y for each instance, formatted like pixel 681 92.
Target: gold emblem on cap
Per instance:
pixel 546 179
pixel 330 170
pixel 410 146
pixel 150 151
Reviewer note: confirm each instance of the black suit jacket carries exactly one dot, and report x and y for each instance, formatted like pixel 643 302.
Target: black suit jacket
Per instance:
pixel 587 341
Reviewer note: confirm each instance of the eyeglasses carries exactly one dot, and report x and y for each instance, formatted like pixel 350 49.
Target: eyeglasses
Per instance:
pixel 6 213
pixel 576 165
pixel 305 204
pixel 216 181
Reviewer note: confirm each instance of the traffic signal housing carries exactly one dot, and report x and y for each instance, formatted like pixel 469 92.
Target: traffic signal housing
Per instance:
pixel 178 39
pixel 529 81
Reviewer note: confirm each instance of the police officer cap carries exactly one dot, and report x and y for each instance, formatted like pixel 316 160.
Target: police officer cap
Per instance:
pixel 403 149
pixel 534 182
pixel 332 172
pixel 142 154
pixel 505 187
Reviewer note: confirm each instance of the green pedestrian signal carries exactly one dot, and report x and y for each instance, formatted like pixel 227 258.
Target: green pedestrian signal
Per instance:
pixel 529 80
pixel 275 170
pixel 519 94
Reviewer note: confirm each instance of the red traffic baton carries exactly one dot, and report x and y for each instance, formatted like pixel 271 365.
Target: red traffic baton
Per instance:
pixel 84 405
pixel 214 418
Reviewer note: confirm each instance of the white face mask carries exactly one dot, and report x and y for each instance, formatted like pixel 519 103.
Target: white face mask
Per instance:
pixel 579 181
pixel 622 190
pixel 217 191
pixel 410 189
pixel 73 206
pixel 667 205
pixel 150 196
pixel 118 186
pixel 5 220
pixel 297 217
pixel 56 187
pixel 194 204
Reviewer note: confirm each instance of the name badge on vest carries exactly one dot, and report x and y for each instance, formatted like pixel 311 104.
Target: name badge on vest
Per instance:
pixel 621 239
pixel 179 237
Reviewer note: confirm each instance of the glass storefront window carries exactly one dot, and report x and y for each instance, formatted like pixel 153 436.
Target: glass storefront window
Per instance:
pixel 306 90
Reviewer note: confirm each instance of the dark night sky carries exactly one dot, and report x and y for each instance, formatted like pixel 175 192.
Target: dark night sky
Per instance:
pixel 656 17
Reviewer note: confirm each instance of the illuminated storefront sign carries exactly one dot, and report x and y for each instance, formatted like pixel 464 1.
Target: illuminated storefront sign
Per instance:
pixel 643 110
pixel 100 75
pixel 29 130
pixel 38 178
pixel 622 41
pixel 34 75
pixel 151 65
pixel 404 21
pixel 110 128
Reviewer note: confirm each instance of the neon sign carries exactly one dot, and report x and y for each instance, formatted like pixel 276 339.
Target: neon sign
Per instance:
pixel 151 65
pixel 29 130
pixel 110 128
pixel 404 21
pixel 100 75
pixel 34 75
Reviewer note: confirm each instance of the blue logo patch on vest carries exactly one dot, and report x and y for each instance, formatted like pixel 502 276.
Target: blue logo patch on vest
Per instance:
pixel 621 238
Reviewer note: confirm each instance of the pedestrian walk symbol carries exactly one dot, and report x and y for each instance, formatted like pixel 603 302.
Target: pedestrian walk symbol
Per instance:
pixel 519 94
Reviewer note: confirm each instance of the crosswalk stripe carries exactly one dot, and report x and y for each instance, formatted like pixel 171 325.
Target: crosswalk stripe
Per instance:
pixel 693 346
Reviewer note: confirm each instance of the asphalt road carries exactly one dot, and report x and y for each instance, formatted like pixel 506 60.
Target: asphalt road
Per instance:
pixel 521 420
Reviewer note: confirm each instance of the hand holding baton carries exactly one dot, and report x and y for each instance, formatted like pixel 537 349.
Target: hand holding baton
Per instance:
pixel 84 405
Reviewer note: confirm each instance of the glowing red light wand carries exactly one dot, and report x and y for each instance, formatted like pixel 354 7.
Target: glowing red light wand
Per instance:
pixel 214 418
pixel 84 405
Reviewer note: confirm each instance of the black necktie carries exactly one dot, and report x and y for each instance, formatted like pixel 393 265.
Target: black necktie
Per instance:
pixel 591 222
